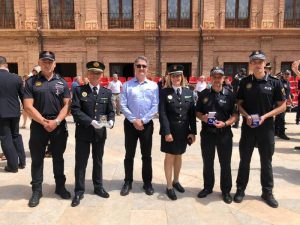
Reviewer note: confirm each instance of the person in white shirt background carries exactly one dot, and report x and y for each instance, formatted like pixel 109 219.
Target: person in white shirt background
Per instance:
pixel 115 86
pixel 201 84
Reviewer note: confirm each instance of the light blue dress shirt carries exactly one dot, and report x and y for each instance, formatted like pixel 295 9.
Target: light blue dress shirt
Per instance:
pixel 139 100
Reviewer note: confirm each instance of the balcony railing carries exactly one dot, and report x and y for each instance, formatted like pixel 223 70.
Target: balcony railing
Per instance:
pixel 61 21
pixel 232 22
pixel 291 21
pixel 120 20
pixel 184 20
pixel 7 20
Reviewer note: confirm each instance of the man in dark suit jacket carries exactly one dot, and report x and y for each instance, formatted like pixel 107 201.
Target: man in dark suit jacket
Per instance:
pixel 11 90
pixel 91 103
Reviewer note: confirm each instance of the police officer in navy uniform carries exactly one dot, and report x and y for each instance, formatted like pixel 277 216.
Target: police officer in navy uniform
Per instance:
pixel 177 125
pixel 259 98
pixel 280 118
pixel 47 100
pixel 217 111
pixel 268 68
pixel 91 104
pixel 11 90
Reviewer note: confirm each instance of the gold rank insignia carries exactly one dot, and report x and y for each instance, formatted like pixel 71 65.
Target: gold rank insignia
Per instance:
pixel 205 100
pixel 84 94
pixel 96 64
pixel 249 85
pixel 170 97
pixel 38 84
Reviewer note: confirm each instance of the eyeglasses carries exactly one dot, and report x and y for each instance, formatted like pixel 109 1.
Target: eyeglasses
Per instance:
pixel 141 66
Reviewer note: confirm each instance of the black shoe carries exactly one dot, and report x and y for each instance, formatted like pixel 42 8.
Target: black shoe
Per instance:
pixel 76 200
pixel 297 122
pixel 178 187
pixel 22 166
pixel 35 198
pixel 239 196
pixel 63 193
pixel 269 199
pixel 204 193
pixel 126 188
pixel 101 192
pixel 8 169
pixel 283 136
pixel 297 147
pixel 227 198
pixel 148 189
pixel 171 194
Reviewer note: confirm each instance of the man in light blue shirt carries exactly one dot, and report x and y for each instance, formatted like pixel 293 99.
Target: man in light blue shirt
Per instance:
pixel 139 104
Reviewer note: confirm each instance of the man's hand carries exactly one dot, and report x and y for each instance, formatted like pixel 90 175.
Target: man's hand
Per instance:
pixel 219 124
pixel 295 67
pixel 262 119
pixel 169 138
pixel 49 125
pixel 249 121
pixel 138 124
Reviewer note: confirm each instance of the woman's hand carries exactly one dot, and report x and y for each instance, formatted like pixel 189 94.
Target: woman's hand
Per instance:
pixel 169 138
pixel 192 137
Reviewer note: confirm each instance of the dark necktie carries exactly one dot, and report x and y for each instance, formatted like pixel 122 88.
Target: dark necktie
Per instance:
pixel 95 91
pixel 178 92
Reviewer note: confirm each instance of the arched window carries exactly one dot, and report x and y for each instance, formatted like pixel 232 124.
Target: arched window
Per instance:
pixel 237 13
pixel 61 14
pixel 120 14
pixel 292 13
pixel 7 15
pixel 179 14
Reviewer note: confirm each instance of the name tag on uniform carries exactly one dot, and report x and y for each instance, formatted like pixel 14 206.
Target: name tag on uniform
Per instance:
pixel 268 88
pixel 222 101
pixel 104 98
pixel 187 96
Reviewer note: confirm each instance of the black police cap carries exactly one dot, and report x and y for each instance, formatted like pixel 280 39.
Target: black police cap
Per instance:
pixel 47 55
pixel 175 69
pixel 287 72
pixel 95 66
pixel 216 70
pixel 268 65
pixel 260 55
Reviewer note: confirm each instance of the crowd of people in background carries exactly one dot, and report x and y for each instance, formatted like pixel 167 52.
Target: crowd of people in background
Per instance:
pixel 45 96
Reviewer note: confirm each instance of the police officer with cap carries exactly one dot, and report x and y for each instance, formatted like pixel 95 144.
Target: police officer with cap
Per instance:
pixel 280 118
pixel 259 98
pixel 92 109
pixel 216 109
pixel 47 100
pixel 177 125
pixel 268 69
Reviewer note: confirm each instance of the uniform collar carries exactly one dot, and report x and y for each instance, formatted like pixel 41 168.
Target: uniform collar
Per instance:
pixel 265 78
pixel 175 89
pixel 223 91
pixel 91 86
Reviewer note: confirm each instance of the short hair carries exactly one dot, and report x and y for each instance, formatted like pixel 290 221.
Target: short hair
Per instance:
pixel 2 60
pixel 144 58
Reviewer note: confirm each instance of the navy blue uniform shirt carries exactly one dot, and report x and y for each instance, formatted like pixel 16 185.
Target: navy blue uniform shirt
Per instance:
pixel 48 95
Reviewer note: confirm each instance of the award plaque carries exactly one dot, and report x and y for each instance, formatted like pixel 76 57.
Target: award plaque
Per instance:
pixel 211 118
pixel 103 121
pixel 255 120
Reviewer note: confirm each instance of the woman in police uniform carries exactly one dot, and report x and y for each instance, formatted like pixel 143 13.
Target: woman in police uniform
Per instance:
pixel 178 125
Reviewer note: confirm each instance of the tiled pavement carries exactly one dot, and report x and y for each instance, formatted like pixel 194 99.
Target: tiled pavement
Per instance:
pixel 138 208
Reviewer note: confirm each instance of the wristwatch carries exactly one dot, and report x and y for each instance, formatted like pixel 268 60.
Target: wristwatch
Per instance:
pixel 57 122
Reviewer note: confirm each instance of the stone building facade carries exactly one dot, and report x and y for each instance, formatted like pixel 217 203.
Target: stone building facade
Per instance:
pixel 198 33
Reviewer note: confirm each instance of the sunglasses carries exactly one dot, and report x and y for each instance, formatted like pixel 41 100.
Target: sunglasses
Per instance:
pixel 141 66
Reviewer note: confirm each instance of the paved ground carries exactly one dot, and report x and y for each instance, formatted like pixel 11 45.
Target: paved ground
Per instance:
pixel 138 208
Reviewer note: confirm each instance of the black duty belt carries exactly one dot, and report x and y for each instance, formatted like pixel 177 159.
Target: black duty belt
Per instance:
pixel 215 130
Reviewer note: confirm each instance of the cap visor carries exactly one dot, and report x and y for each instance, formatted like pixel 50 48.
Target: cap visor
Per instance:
pixel 176 73
pixel 95 70
pixel 47 58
